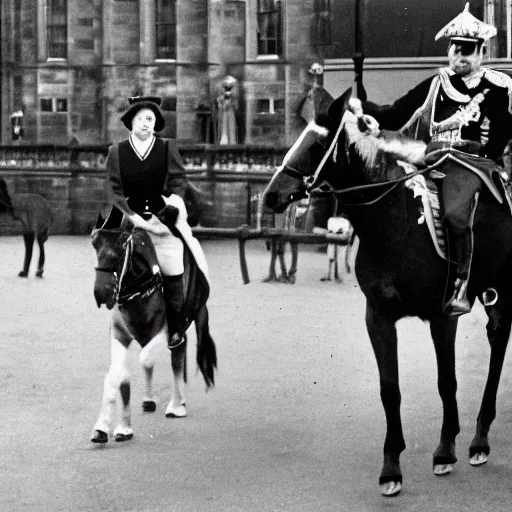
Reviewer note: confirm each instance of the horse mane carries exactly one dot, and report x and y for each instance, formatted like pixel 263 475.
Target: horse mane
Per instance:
pixel 5 198
pixel 374 145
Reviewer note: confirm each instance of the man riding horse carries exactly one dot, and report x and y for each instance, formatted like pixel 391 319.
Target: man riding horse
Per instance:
pixel 463 113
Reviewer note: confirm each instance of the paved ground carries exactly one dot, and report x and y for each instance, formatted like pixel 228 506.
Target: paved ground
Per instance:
pixel 294 423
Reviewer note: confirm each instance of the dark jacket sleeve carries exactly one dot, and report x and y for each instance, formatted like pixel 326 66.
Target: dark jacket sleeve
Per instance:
pixel 500 123
pixel 176 180
pixel 113 184
pixel 393 117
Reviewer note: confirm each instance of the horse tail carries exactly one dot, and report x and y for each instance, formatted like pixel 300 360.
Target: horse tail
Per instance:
pixel 206 351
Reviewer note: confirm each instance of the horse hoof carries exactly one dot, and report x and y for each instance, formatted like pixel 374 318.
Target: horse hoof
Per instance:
pixel 98 436
pixel 23 274
pixel 442 469
pixel 119 437
pixel 478 459
pixel 390 489
pixel 176 412
pixel 149 406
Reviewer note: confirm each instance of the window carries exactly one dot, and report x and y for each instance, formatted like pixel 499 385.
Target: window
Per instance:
pixel 270 27
pixel 46 105
pixel 499 14
pixel 269 105
pixel 322 29
pixel 56 29
pixel 53 104
pixel 165 29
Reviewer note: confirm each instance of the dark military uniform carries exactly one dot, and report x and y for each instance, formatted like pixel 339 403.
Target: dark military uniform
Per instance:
pixel 466 129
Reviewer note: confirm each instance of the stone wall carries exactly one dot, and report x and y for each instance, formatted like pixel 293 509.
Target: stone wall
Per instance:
pixel 72 177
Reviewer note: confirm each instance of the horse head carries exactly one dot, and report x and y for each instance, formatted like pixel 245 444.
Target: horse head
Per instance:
pixel 290 182
pixel 124 258
pixel 344 149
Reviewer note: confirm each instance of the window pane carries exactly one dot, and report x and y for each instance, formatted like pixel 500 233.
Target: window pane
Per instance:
pixel 269 27
pixel 57 29
pixel 165 29
pixel 62 105
pixel 46 105
pixel 263 106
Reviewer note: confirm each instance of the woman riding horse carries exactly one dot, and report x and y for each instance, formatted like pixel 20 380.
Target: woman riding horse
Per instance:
pixel 140 172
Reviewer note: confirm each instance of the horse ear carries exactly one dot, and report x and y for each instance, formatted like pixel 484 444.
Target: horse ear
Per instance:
pixel 339 105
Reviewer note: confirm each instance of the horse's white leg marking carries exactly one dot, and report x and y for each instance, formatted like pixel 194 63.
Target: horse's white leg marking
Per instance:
pixel 116 374
pixel 176 407
pixel 147 359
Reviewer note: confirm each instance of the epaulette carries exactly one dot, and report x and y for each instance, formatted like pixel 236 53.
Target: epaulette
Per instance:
pixel 500 79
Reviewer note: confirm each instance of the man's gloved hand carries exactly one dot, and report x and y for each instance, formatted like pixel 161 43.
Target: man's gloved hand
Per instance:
pixel 355 106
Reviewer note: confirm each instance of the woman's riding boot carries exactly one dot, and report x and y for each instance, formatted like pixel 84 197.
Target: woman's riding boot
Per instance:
pixel 174 303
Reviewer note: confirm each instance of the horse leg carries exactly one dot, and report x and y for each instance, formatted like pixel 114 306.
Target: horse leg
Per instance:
pixel 294 248
pixel 498 332
pixel 176 407
pixel 382 332
pixel 443 330
pixel 272 269
pixel 330 256
pixel 337 277
pixel 116 377
pixel 147 361
pixel 28 238
pixel 40 265
pixel 281 246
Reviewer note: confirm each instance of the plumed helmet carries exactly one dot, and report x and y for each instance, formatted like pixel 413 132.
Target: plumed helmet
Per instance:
pixel 465 27
pixel 138 103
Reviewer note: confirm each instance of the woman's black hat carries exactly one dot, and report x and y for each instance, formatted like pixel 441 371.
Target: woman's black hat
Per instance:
pixel 138 103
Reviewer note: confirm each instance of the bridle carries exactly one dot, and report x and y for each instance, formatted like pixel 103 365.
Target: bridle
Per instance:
pixel 315 188
pixel 119 274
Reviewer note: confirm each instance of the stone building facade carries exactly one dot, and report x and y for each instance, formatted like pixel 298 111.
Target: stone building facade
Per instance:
pixel 70 65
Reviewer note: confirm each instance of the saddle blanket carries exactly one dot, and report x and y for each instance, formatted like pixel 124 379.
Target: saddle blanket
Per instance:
pixel 431 214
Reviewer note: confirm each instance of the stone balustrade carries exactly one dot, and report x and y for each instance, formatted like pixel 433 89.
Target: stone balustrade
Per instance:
pixel 71 178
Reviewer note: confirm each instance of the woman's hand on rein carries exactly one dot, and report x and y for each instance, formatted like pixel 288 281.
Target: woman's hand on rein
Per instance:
pixel 156 227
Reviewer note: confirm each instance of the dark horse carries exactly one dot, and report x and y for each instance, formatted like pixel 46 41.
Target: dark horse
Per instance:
pixel 129 282
pixel 402 275
pixel 35 214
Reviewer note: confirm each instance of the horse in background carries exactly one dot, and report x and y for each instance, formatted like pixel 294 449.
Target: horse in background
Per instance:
pixel 128 281
pixel 34 213
pixel 400 271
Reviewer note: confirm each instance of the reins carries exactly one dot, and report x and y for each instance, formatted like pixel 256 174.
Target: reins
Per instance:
pixel 393 184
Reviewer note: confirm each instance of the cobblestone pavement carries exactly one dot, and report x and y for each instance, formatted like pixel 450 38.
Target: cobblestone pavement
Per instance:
pixel 294 422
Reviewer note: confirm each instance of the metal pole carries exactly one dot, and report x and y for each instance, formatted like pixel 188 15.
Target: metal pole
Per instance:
pixel 358 57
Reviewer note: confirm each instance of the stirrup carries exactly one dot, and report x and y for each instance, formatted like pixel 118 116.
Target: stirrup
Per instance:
pixel 176 340
pixel 459 303
pixel 490 297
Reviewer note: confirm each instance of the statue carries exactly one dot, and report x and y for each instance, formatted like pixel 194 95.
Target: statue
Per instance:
pixel 226 112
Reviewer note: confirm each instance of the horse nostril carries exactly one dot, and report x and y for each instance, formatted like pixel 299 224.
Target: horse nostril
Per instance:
pixel 271 199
